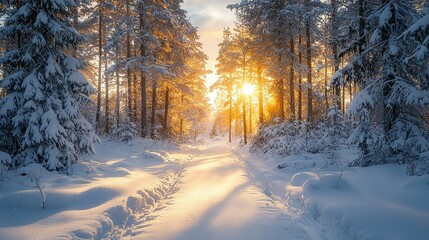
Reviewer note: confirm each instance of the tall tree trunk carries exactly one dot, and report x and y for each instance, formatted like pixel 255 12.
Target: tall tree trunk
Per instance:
pixel 250 115
pixel 129 80
pixel 100 57
pixel 361 31
pixel 260 94
pixel 117 104
pixel 143 91
pixel 326 83
pixel 236 113
pixel 350 93
pixel 152 117
pixel 344 100
pixel 135 93
pixel 309 73
pixel 334 22
pixel 166 102
pixel 244 99
pixel 250 98
pixel 280 87
pixel 300 78
pixel 292 80
pixel 181 116
pixel 106 98
pixel 230 108
pixel 244 120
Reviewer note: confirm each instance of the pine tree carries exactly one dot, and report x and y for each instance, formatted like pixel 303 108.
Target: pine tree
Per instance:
pixel 126 131
pixel 391 103
pixel 45 89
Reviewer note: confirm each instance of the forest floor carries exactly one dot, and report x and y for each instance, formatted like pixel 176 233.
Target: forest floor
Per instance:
pixel 211 190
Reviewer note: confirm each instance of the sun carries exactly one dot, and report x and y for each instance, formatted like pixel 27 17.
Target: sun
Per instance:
pixel 248 89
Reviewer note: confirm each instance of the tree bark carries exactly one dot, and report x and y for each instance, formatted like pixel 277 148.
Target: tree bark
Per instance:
pixel 117 105
pixel 334 22
pixel 260 94
pixel 181 118
pixel 230 109
pixel 143 90
pixel 292 80
pixel 244 120
pixel 300 78
pixel 167 99
pixel 106 98
pixel 250 115
pixel 134 97
pixel 100 57
pixel 309 73
pixel 129 81
pixel 280 87
pixel 152 117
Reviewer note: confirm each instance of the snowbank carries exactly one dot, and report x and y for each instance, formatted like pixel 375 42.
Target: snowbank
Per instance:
pixel 379 202
pixel 101 197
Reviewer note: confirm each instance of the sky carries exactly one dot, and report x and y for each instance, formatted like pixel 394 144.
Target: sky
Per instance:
pixel 211 17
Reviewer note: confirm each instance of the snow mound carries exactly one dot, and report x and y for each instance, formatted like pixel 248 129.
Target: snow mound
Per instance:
pixel 121 220
pixel 301 177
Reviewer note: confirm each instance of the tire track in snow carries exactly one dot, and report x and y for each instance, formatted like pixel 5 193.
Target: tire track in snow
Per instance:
pixel 127 220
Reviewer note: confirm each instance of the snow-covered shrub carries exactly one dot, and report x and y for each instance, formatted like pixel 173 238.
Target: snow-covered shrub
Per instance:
pixel 5 163
pixel 336 132
pixel 287 138
pixel 126 131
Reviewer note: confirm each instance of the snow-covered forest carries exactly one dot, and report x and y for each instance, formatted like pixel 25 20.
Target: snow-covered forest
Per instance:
pixel 328 73
pixel 319 128
pixel 75 69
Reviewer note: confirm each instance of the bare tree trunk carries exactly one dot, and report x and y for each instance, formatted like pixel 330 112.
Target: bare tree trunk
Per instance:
pixel 250 115
pixel 230 108
pixel 152 117
pixel 292 80
pixel 100 57
pixel 260 94
pixel 309 73
pixel 326 83
pixel 244 120
pixel 300 79
pixel 361 30
pixel 117 105
pixel 167 99
pixel 236 112
pixel 280 87
pixel 129 80
pixel 106 98
pixel 334 21
pixel 134 97
pixel 181 118
pixel 350 93
pixel 143 90
pixel 244 99
pixel 344 100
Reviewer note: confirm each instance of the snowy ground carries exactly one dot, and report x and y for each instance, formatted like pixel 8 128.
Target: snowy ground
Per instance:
pixel 149 190
pixel 379 202
pixel 98 198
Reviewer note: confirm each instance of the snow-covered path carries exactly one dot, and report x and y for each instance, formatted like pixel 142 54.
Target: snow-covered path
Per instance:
pixel 216 200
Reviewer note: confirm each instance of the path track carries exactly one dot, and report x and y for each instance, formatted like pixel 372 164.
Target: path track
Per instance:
pixel 216 200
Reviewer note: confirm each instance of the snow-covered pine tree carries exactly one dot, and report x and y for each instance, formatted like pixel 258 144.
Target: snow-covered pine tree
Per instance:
pixel 417 66
pixel 45 89
pixel 126 131
pixel 391 101
pixel 335 130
